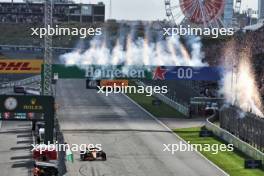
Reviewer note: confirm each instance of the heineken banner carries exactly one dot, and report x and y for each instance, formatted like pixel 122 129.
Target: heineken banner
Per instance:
pixel 138 72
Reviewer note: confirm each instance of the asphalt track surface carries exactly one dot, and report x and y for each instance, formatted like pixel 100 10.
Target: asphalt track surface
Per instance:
pixel 131 138
pixel 15 146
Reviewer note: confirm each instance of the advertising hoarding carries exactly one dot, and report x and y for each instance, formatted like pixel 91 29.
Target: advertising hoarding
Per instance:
pixel 94 72
pixel 112 83
pixel 21 66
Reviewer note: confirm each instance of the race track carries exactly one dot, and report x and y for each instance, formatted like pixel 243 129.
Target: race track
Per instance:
pixel 132 140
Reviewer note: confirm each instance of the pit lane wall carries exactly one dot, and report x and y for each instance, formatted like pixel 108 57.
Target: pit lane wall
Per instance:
pixel 182 109
pixel 230 138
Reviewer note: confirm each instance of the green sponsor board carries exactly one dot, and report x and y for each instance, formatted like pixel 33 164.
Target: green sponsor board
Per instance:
pixel 102 72
pixel 94 72
pixel 97 72
pixel 68 72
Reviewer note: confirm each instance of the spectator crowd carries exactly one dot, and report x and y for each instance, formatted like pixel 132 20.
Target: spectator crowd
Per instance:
pixel 214 51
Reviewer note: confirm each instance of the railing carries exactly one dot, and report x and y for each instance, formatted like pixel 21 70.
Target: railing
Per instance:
pixel 230 138
pixel 29 48
pixel 21 82
pixel 245 125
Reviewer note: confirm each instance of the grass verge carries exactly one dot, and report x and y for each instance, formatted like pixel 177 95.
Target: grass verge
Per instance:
pixel 162 110
pixel 230 162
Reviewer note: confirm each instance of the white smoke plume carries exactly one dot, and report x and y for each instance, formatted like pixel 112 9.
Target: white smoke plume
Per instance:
pixel 239 85
pixel 129 49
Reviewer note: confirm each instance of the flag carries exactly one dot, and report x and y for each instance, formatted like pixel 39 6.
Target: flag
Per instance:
pixel 69 155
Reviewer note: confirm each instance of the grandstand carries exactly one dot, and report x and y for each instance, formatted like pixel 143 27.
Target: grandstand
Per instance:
pixel 250 129
pixel 29 12
pixel 214 48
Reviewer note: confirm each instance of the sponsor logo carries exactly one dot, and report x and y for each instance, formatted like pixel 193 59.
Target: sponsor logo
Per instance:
pixel 109 73
pixel 20 66
pixel 159 73
pixel 112 83
pixel 33 101
pixel 33 105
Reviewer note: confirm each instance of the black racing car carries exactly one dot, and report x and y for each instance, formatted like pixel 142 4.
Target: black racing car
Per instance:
pixel 93 154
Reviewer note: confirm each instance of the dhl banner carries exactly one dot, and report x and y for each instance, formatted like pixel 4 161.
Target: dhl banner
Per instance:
pixel 20 66
pixel 119 83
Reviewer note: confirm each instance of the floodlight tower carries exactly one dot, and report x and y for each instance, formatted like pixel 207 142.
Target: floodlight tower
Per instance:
pixel 110 9
pixel 47 74
pixel 238 4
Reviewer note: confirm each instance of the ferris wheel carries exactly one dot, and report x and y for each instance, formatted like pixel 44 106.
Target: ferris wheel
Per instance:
pixel 207 13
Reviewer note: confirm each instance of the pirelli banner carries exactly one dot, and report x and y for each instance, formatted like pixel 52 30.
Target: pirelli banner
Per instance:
pixel 112 83
pixel 95 84
pixel 22 66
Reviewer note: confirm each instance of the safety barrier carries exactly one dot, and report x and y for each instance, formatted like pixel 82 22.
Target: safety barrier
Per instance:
pixel 247 126
pixel 29 48
pixel 230 138
pixel 181 108
pixel 21 82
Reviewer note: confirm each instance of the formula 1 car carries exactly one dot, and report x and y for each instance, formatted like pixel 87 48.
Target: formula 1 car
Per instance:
pixel 45 169
pixel 93 154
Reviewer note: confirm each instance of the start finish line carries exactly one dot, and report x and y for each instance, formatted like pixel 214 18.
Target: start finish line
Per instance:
pixel 138 72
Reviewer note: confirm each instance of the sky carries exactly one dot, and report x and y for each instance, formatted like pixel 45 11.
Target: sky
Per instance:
pixel 147 9
pixel 143 9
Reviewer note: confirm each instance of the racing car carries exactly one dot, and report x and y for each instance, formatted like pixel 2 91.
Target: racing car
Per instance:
pixel 92 154
pixel 45 169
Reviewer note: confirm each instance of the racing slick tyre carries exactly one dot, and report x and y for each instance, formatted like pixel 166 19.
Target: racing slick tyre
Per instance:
pixel 103 157
pixel 82 157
